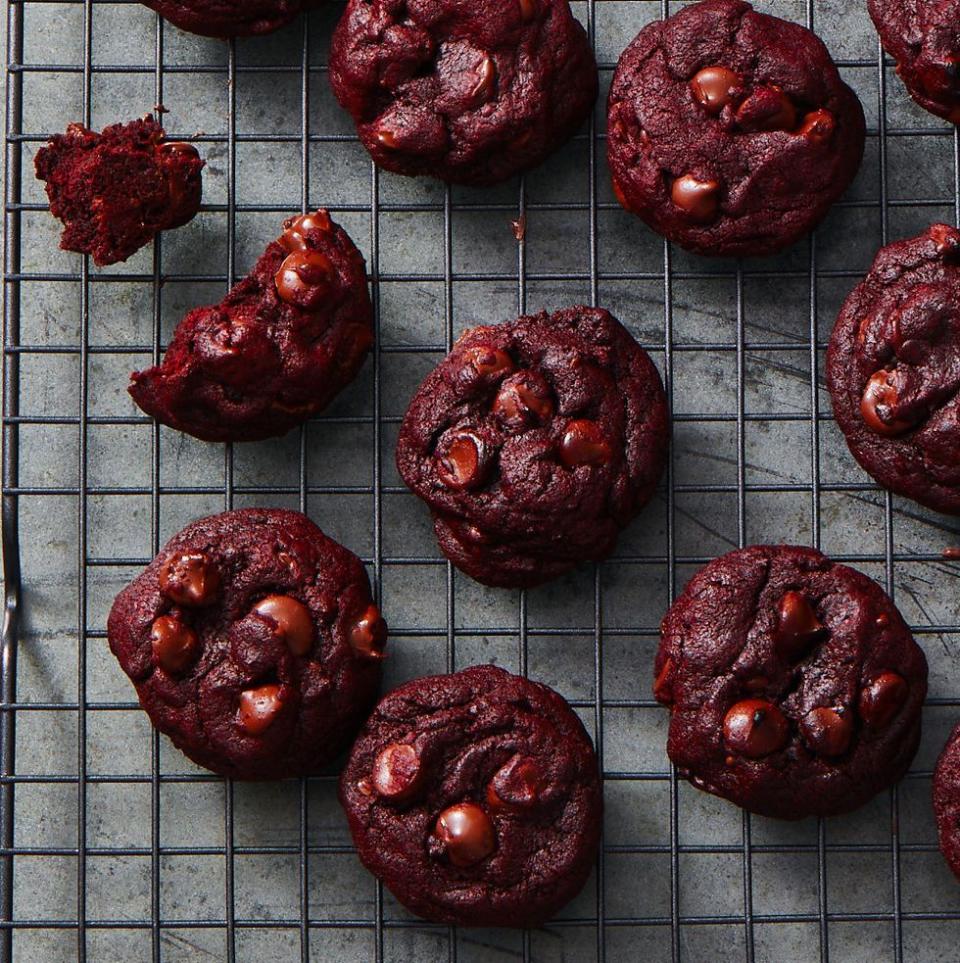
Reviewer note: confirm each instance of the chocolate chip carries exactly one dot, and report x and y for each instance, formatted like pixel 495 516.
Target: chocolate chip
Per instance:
pixel 818 127
pixel 524 399
pixel 296 229
pixel 462 461
pixel 387 138
pixel 292 620
pixel 516 786
pixel 879 398
pixel 699 200
pixel 465 834
pixel 882 620
pixel 397 772
pixel 180 147
pixel 369 634
pixel 528 9
pixel 190 578
pixel 175 645
pixel 304 278
pixel 797 626
pixel 767 108
pixel 583 443
pixel 486 362
pixel 882 698
pixel 715 87
pixel 946 240
pixel 486 80
pixel 259 708
pixel 662 690
pixel 828 731
pixel 755 728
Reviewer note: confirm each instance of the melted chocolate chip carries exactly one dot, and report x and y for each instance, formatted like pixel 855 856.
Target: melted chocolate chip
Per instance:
pixel 879 397
pixel 524 399
pixel 699 200
pixel 662 690
pixel 755 728
pixel 528 10
pixel 292 620
pixel 175 645
pixel 516 786
pixel 296 229
pixel 397 773
pixel 797 626
pixel 818 127
pixel 369 634
pixel 715 87
pixel 946 240
pixel 259 708
pixel 767 108
pixel 486 80
pixel 881 699
pixel 465 834
pixel 583 443
pixel 828 731
pixel 387 138
pixel 487 363
pixel 179 147
pixel 190 578
pixel 304 278
pixel 462 461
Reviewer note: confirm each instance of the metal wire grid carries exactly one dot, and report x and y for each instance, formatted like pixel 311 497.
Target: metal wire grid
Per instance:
pixel 604 924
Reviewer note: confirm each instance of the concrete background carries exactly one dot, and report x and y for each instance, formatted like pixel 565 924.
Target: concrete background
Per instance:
pixel 442 619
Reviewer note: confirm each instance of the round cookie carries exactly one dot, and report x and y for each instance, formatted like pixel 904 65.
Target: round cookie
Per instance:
pixel 229 18
pixel 534 442
pixel 923 36
pixel 115 190
pixel 276 350
pixel 471 93
pixel 893 369
pixel 730 132
pixel 476 798
pixel 253 643
pixel 946 800
pixel 793 683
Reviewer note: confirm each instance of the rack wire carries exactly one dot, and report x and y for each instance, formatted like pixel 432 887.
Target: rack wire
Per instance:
pixel 680 876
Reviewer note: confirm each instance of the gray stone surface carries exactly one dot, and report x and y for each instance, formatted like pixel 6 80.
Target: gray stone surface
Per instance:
pixel 476 277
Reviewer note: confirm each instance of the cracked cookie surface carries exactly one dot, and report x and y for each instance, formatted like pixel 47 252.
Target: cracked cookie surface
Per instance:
pixel 471 93
pixel 729 131
pixel 253 643
pixel 793 683
pixel 276 350
pixel 893 369
pixel 476 798
pixel 534 442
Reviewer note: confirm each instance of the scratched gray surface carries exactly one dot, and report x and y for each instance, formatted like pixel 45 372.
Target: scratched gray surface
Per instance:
pixel 865 914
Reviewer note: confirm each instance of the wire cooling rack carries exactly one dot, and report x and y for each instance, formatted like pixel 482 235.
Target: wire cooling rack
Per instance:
pixel 113 845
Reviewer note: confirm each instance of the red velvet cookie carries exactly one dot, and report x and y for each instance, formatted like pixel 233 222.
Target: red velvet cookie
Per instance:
pixel 946 800
pixel 923 36
pixel 730 132
pixel 534 442
pixel 253 643
pixel 893 368
pixel 116 190
pixel 276 350
pixel 793 683
pixel 229 18
pixel 476 798
pixel 472 93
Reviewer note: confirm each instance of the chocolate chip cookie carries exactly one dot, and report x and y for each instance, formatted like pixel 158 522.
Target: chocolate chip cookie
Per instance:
pixel 534 442
pixel 276 350
pixel 476 798
pixel 117 189
pixel 793 683
pixel 229 18
pixel 253 643
pixel 923 36
pixel 730 132
pixel 471 93
pixel 946 800
pixel 893 368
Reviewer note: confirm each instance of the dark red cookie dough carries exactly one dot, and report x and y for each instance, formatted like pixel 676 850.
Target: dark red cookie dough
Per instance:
pixel 276 350
pixel 229 18
pixel 793 683
pixel 116 190
pixel 730 132
pixel 472 93
pixel 946 800
pixel 534 442
pixel 253 643
pixel 476 798
pixel 923 36
pixel 893 368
